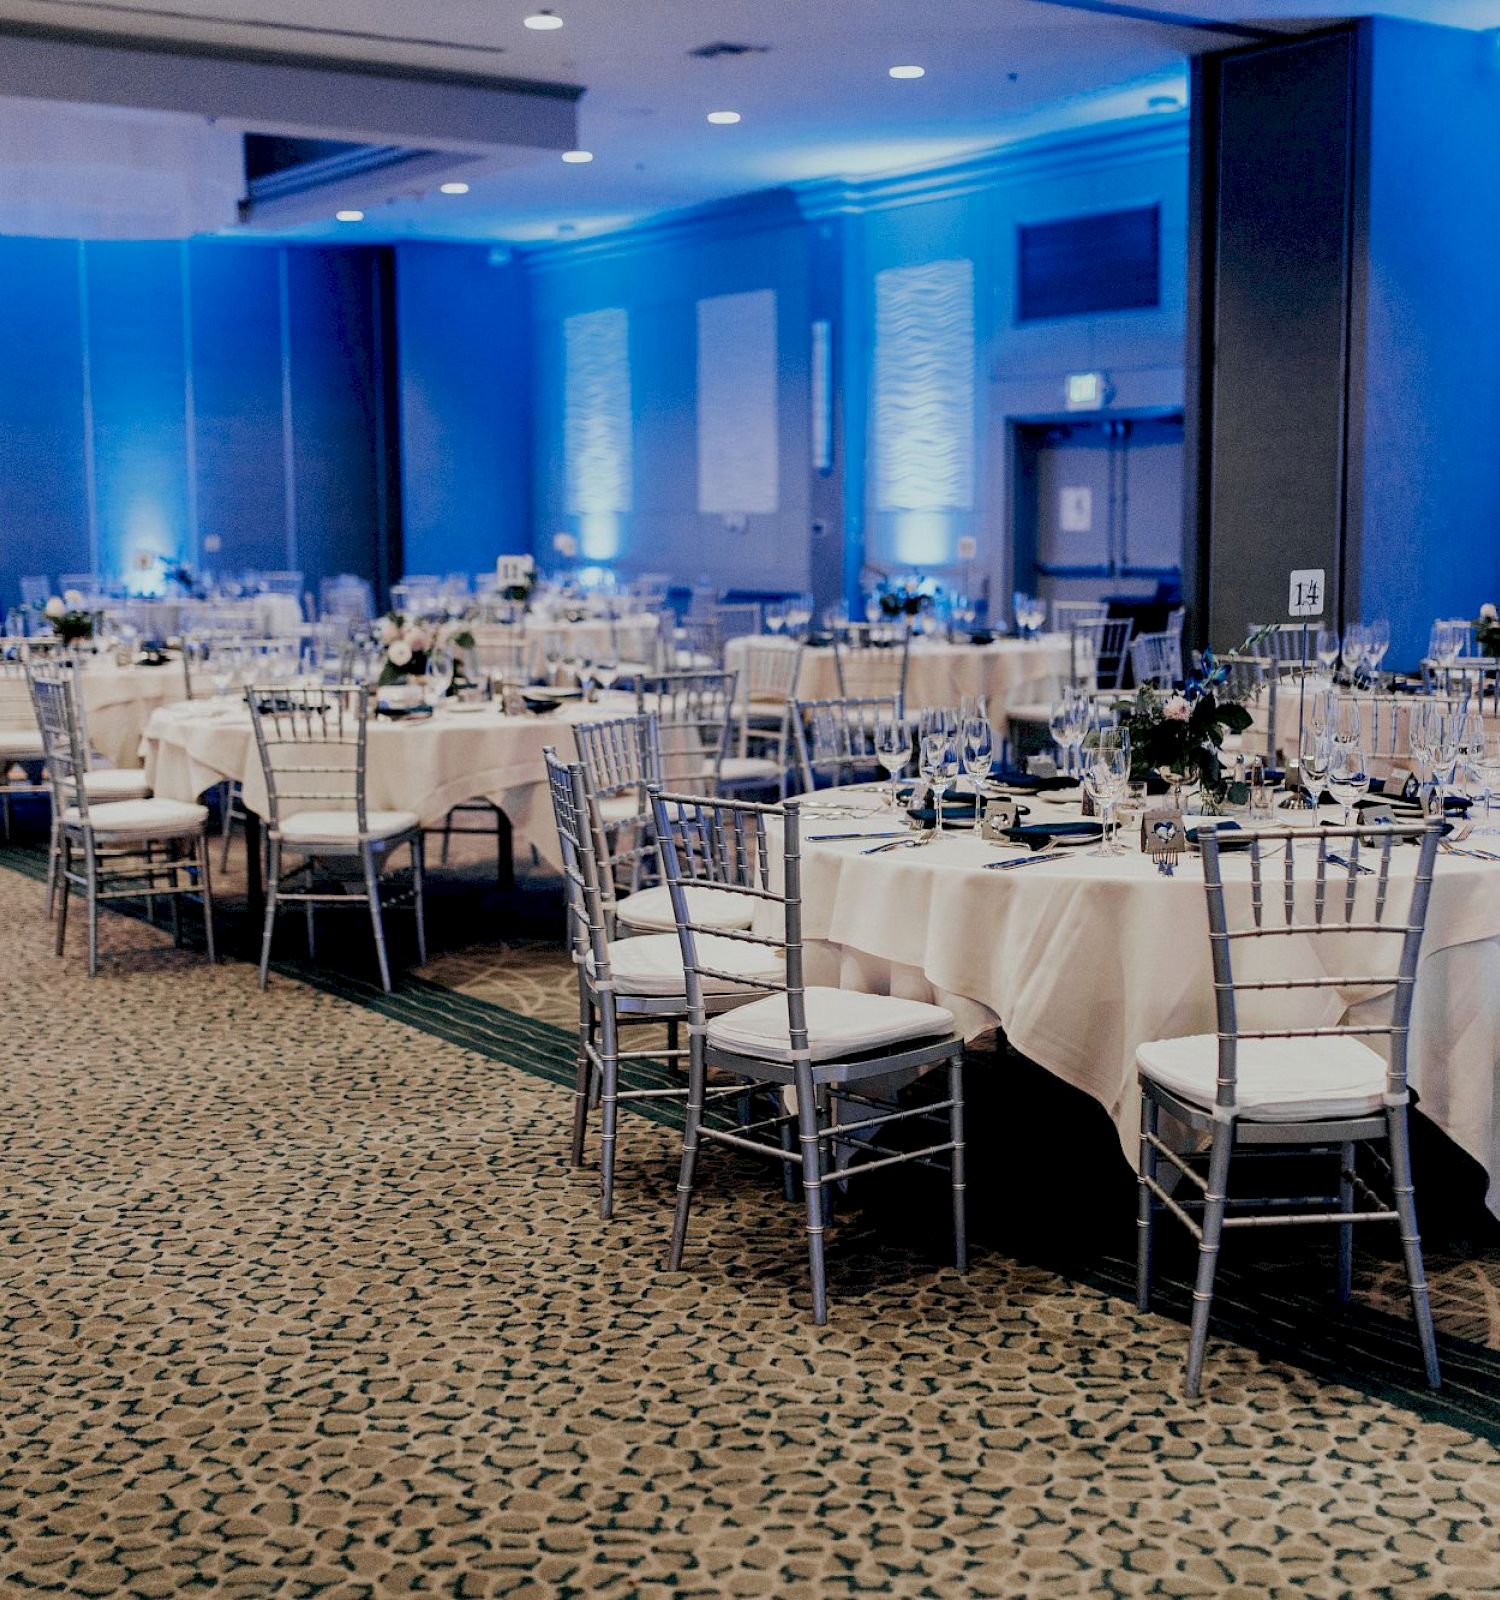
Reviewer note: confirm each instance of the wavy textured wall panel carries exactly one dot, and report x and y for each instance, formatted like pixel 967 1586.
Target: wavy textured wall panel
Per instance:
pixel 737 421
pixel 596 411
pixel 924 387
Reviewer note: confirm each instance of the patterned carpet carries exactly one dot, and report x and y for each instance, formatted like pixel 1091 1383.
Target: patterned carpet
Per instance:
pixel 299 1296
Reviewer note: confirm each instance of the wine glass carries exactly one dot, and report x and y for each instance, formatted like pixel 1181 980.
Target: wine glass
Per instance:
pixel 606 669
pixel 1379 637
pixel 939 765
pixel 1488 768
pixel 1348 778
pixel 979 757
pixel 1346 720
pixel 1326 646
pixel 1442 728
pixel 1320 713
pixel 1315 753
pixel 1104 780
pixel 893 751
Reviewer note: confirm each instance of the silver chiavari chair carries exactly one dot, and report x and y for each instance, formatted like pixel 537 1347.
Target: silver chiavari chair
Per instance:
pixel 503 652
pixel 695 714
pixel 22 752
pixel 107 849
pixel 347 599
pixel 827 1045
pixel 1156 659
pixel 836 739
pixel 625 980
pixel 620 760
pixel 767 688
pixel 876 667
pixel 314 752
pixel 1252 681
pixel 1274 1081
pixel 1286 643
pixel 1067 614
pixel 1101 648
pixel 737 619
pixel 695 644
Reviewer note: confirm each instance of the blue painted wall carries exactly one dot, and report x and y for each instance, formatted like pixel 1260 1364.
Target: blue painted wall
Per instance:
pixel 1427 484
pixel 158 397
pixel 463 338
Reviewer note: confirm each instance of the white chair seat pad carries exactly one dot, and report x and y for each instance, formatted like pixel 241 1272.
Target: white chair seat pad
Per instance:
pixel 650 910
pixel 840 1023
pixel 141 819
pixel 21 743
pixel 1276 1080
pixel 116 783
pixel 652 964
pixel 748 769
pixel 342 827
pixel 617 808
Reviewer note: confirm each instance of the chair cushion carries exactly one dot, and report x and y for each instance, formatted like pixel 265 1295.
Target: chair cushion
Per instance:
pixel 1276 1080
pixel 652 964
pixel 116 783
pixel 21 743
pixel 617 808
pixel 141 819
pixel 650 910
pixel 749 769
pixel 342 827
pixel 840 1023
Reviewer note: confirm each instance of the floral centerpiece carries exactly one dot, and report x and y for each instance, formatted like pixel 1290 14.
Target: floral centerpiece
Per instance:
pixel 516 577
pixel 408 644
pixel 905 597
pixel 70 622
pixel 1487 630
pixel 180 577
pixel 1179 736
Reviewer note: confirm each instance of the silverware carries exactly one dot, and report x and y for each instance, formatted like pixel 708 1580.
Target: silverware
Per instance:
pixel 1343 861
pixel 827 836
pixel 903 844
pixel 1032 860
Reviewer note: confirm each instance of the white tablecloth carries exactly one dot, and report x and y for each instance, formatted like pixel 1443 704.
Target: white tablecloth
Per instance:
pixel 119 701
pixel 425 766
pixel 937 673
pixel 261 614
pixel 1083 959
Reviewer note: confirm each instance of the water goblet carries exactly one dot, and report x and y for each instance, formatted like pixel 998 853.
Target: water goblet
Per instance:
pixel 1315 752
pixel 979 757
pixel 1348 778
pixel 939 766
pixel 893 751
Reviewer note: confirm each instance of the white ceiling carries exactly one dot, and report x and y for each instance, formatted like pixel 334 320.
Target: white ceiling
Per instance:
pixel 819 103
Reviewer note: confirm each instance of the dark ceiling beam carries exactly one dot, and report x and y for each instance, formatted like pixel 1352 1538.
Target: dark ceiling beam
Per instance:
pixel 1166 19
pixel 324 98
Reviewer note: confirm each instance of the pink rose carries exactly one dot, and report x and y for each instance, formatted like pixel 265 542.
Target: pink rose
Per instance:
pixel 1176 709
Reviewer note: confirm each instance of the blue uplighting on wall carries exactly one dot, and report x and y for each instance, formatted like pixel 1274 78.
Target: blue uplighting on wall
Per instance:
pixel 737 414
pixel 924 387
pixel 596 419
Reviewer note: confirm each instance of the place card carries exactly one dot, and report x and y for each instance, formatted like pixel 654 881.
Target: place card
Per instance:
pixel 1163 835
pixel 999 815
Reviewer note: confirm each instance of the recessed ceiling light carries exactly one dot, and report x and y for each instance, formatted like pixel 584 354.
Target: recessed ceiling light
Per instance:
pixel 543 21
pixel 724 117
pixel 908 72
pixel 453 188
pixel 348 216
pixel 577 157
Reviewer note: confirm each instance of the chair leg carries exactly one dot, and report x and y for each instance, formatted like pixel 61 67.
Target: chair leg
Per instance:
pixel 91 874
pixel 65 867
pixel 956 1133
pixel 1346 1230
pixel 447 837
pixel 1214 1201
pixel 150 885
pixel 206 893
pixel 609 1072
pixel 693 1116
pixel 273 884
pixel 226 823
pixel 1411 1241
pixel 419 894
pixel 54 850
pixel 581 1084
pixel 1145 1215
pixel 812 1187
pixel 788 1143
pixel 174 900
pixel 372 889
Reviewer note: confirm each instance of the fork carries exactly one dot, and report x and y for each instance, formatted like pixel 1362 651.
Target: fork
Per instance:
pixel 902 844
pixel 1023 861
pixel 1343 861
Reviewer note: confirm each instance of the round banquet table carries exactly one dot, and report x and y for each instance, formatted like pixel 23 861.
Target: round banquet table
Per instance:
pixel 422 765
pixel 1081 959
pixel 631 638
pixel 937 673
pixel 118 702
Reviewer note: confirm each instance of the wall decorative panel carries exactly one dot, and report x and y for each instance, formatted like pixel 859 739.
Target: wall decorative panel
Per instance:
pixel 596 412
pixel 924 387
pixel 737 414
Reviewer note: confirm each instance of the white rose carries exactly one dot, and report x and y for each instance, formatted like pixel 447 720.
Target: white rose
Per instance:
pixel 418 639
pixel 399 653
pixel 1487 613
pixel 565 544
pixel 389 631
pixel 55 607
pixel 73 599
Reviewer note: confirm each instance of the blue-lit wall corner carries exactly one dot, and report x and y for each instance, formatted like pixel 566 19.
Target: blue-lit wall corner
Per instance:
pixel 1426 495
pixel 464 339
pixel 158 399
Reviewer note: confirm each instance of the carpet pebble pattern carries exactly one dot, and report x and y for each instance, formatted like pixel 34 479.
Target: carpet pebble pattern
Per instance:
pixel 298 1301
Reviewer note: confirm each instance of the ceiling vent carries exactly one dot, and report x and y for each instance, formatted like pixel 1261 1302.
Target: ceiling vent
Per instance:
pixel 722 47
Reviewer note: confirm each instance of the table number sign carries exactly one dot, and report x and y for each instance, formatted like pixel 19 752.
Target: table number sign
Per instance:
pixel 1307 593
pixel 998 816
pixel 1163 839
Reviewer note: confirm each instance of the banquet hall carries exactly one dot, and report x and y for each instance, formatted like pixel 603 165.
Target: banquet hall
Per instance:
pixel 749 761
